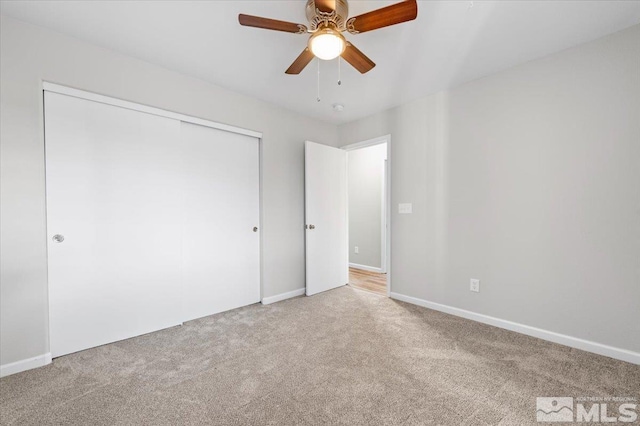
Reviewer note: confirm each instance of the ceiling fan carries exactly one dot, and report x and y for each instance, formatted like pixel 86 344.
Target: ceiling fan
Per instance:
pixel 327 20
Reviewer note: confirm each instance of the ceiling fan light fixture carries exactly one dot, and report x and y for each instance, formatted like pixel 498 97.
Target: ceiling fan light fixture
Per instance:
pixel 327 19
pixel 327 44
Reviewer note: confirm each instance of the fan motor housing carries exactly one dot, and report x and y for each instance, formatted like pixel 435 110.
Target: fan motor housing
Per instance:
pixel 327 13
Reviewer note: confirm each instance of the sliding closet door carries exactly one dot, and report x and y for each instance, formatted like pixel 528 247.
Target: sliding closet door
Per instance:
pixel 114 220
pixel 221 239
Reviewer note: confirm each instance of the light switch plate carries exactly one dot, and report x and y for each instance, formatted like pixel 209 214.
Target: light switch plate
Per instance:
pixel 405 208
pixel 474 285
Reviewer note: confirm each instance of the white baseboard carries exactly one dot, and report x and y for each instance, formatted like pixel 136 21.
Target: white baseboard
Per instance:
pixel 365 267
pixel 25 364
pixel 563 339
pixel 282 296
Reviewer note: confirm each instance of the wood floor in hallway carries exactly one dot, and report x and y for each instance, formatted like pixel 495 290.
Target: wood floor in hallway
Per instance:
pixel 369 281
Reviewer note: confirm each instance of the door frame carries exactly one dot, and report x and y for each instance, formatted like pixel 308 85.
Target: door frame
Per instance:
pixel 386 233
pixel 90 96
pixel 47 86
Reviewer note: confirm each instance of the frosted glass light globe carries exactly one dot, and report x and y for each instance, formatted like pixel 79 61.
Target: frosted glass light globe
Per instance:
pixel 327 44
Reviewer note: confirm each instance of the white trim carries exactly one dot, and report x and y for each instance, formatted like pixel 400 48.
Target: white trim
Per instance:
pixel 25 364
pixel 365 268
pixel 64 90
pixel 387 240
pixel 387 236
pixel 283 296
pixel 383 221
pixel 551 336
pixel 368 142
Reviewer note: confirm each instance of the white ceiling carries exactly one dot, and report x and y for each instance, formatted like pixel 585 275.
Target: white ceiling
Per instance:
pixel 451 42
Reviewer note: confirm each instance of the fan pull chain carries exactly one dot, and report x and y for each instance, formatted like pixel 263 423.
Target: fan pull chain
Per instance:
pixel 318 61
pixel 339 78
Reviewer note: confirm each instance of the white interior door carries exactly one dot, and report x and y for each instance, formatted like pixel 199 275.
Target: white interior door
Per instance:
pixel 114 194
pixel 221 249
pixel 327 259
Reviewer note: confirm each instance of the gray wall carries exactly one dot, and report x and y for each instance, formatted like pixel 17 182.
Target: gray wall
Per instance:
pixel 528 180
pixel 366 178
pixel 31 54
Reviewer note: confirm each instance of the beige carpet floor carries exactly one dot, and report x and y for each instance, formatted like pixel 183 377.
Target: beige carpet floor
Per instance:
pixel 341 357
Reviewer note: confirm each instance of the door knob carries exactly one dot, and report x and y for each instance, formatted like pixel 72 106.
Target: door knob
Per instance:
pixel 58 238
pixel 312 227
pixel 255 229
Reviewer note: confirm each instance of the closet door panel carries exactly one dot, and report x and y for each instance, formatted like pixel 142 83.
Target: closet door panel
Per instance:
pixel 221 250
pixel 113 179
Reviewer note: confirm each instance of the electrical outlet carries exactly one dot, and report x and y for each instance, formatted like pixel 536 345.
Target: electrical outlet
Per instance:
pixel 475 285
pixel 356 249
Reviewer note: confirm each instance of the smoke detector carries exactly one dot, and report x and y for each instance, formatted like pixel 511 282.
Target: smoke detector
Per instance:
pixel 338 107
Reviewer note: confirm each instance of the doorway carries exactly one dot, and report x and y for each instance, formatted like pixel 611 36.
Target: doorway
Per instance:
pixel 368 214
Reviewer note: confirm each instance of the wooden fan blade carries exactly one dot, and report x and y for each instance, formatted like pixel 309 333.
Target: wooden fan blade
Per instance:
pixel 270 24
pixel 357 59
pixel 301 61
pixel 395 14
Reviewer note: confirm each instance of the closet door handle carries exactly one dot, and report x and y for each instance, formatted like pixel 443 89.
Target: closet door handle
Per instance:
pixel 255 229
